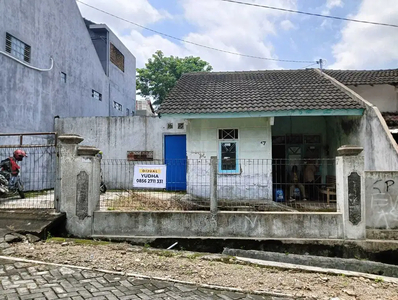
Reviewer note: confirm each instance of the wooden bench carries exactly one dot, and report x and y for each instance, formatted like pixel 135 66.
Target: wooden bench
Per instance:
pixel 330 189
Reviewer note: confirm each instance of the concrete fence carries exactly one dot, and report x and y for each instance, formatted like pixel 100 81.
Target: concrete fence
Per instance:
pixel 381 199
pixel 77 194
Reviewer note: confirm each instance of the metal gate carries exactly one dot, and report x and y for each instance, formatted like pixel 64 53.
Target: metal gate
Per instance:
pixel 37 171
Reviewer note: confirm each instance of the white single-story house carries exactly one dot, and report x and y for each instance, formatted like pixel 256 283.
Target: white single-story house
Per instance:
pixel 254 120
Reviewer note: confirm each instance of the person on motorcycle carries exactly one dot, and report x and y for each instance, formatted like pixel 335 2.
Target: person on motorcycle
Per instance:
pixel 10 165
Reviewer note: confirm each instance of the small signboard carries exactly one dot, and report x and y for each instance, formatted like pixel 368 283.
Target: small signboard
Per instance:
pixel 150 176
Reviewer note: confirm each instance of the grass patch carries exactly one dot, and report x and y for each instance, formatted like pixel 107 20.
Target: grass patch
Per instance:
pixel 76 241
pixel 146 201
pixel 33 194
pixel 166 253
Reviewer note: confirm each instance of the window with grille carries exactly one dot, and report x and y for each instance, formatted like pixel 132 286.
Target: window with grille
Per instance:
pixel 117 106
pixel 117 58
pixel 96 95
pixel 127 112
pixel 17 48
pixel 228 151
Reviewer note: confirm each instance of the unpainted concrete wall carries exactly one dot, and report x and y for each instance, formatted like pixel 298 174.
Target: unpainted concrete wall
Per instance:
pixel 224 224
pixel 254 181
pixel 30 99
pixel 370 132
pixel 381 200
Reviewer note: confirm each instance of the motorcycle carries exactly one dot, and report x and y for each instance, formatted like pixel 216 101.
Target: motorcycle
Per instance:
pixel 11 185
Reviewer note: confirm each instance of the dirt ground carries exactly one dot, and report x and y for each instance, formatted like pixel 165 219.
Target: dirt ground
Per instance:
pixel 204 269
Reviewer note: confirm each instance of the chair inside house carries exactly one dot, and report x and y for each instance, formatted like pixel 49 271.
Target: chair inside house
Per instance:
pixel 329 189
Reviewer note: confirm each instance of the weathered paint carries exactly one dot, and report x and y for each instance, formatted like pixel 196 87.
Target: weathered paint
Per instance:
pixel 254 180
pixel 224 224
pixel 115 136
pixel 381 199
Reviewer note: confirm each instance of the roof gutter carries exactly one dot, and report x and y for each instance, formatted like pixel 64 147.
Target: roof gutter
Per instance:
pixel 260 114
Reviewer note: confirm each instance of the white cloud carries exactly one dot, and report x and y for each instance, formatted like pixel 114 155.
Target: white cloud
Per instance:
pixel 139 11
pixel 235 28
pixel 330 4
pixel 365 46
pixel 227 26
pixel 287 25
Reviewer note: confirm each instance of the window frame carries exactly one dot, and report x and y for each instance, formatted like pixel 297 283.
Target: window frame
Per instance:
pixel 116 57
pixel 236 142
pixel 11 46
pixel 63 78
pixel 117 106
pixel 93 93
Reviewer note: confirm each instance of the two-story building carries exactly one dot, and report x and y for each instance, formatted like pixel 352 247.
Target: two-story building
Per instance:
pixel 55 63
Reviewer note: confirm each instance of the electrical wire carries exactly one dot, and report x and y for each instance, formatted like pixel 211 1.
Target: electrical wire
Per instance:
pixel 310 14
pixel 196 44
pixel 27 65
pixel 310 65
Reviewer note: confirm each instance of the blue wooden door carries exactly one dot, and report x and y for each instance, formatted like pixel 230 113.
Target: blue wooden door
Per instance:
pixel 175 153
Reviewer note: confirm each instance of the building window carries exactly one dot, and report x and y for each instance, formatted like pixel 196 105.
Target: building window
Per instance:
pixel 117 106
pixel 117 58
pixel 96 95
pixel 127 112
pixel 63 77
pixel 228 151
pixel 180 125
pixel 169 125
pixel 17 48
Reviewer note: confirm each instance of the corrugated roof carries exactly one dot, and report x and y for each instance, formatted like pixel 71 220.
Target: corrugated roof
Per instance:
pixel 359 77
pixel 255 91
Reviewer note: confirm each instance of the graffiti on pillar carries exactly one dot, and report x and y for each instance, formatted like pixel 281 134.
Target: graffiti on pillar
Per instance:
pixel 354 198
pixel 384 203
pixel 82 195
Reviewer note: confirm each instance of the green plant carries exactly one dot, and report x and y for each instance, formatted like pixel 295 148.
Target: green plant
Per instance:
pixel 49 236
pixel 166 253
pixel 379 280
pixel 146 246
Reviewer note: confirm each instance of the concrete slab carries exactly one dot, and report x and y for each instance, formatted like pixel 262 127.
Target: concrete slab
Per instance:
pixel 33 221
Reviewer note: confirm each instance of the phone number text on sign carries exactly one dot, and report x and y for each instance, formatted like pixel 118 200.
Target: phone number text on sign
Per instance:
pixel 150 176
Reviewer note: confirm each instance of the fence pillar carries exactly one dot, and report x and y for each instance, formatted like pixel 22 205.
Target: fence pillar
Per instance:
pixel 213 185
pixel 78 184
pixel 350 191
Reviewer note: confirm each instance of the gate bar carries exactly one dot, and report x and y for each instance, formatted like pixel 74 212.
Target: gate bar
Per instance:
pixel 21 135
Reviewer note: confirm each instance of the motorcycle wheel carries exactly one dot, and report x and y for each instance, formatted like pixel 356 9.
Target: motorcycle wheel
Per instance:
pixel 103 188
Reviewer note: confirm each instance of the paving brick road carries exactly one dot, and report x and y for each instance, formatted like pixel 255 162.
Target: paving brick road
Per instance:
pixel 23 281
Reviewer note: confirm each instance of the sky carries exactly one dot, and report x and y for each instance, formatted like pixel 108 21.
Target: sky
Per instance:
pixel 256 32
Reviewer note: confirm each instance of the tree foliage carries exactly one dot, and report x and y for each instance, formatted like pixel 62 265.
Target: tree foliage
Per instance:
pixel 161 74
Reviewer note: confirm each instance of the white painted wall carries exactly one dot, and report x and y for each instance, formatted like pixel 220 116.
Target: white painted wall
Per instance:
pixel 255 179
pixel 384 96
pixel 117 135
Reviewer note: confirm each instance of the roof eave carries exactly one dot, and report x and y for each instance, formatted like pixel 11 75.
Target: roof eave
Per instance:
pixel 275 113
